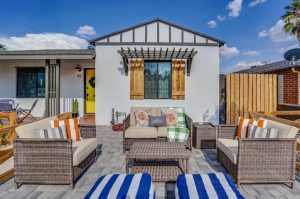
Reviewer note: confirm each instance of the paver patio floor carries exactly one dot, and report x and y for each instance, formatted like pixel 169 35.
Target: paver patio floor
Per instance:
pixel 112 160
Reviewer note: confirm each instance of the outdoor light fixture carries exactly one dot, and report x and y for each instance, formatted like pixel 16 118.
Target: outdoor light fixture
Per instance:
pixel 78 68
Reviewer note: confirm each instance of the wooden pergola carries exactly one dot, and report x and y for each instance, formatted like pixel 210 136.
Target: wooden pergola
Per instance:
pixel 157 54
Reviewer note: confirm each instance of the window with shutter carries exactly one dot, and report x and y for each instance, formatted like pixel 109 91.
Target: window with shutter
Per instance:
pixel 178 79
pixel 137 80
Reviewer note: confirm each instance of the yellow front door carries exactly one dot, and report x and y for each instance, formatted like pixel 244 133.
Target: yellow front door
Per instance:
pixel 90 90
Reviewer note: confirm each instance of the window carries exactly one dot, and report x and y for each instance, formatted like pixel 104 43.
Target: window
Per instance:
pixel 157 82
pixel 30 82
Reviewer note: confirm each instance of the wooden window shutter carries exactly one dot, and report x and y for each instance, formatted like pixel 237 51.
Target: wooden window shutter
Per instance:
pixel 178 79
pixel 137 80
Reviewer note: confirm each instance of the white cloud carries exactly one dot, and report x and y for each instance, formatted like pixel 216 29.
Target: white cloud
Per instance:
pixel 251 53
pixel 245 65
pixel 256 2
pixel 228 52
pixel 212 24
pixel 276 33
pixel 44 41
pixel 221 18
pixel 235 8
pixel 284 49
pixel 86 31
pixel 262 34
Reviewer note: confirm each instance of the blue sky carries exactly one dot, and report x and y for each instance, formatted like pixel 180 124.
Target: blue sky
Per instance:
pixel 251 28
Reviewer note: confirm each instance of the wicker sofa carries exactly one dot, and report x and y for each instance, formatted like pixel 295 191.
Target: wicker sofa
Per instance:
pixel 257 160
pixel 133 133
pixel 51 161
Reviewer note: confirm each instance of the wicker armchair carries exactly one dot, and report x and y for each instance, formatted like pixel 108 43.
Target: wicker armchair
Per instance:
pixel 259 160
pixel 127 142
pixel 49 161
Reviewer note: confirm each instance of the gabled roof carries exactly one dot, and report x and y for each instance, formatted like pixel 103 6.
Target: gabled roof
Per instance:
pixel 280 65
pixel 93 41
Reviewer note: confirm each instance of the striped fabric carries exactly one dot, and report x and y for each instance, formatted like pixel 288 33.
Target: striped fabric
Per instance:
pixel 243 124
pixel 119 186
pixel 257 132
pixel 212 185
pixel 52 133
pixel 73 132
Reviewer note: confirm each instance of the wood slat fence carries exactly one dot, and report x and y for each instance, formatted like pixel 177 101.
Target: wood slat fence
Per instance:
pixel 249 92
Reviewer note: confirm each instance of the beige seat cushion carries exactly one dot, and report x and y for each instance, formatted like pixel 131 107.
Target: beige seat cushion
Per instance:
pixel 229 147
pixel 82 149
pixel 28 130
pixel 153 111
pixel 7 166
pixel 284 130
pixel 162 131
pixel 141 132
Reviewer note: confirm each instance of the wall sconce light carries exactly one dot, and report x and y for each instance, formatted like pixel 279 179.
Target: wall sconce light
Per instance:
pixel 78 68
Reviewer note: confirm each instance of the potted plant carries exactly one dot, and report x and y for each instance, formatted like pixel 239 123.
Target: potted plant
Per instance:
pixel 75 108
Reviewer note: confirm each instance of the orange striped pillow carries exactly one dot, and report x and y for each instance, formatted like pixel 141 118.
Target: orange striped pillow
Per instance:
pixel 243 126
pixel 73 132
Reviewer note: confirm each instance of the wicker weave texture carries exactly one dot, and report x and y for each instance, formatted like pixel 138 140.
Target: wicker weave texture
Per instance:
pixel 49 161
pixel 260 160
pixel 43 161
pixel 163 160
pixel 204 136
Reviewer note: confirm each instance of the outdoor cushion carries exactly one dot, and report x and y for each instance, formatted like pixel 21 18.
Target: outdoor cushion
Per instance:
pixel 28 130
pixel 141 132
pixel 153 111
pixel 157 121
pixel 119 186
pixel 162 131
pixel 243 126
pixel 257 132
pixel 82 149
pixel 284 130
pixel 229 147
pixel 52 133
pixel 72 125
pixel 211 185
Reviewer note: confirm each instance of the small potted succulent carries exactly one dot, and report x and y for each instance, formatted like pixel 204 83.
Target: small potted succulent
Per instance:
pixel 75 112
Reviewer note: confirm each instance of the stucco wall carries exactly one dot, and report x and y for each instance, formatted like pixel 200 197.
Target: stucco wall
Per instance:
pixel 202 86
pixel 72 83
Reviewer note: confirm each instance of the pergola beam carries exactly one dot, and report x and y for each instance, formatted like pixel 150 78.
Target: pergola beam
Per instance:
pixel 157 55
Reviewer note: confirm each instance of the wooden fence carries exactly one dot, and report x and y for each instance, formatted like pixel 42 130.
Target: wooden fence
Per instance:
pixel 249 92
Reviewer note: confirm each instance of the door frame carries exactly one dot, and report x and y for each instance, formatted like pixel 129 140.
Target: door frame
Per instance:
pixel 84 89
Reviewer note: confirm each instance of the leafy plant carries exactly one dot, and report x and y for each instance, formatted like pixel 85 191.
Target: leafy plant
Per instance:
pixel 291 19
pixel 75 106
pixel 2 47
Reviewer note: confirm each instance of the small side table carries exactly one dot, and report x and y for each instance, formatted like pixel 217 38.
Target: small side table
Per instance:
pixel 204 136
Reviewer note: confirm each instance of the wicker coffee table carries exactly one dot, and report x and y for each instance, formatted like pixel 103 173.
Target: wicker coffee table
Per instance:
pixel 162 160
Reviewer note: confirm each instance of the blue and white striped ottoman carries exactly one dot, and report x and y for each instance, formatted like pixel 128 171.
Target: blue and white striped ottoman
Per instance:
pixel 121 186
pixel 212 185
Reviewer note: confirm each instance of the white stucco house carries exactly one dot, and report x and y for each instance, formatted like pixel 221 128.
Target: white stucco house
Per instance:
pixel 156 63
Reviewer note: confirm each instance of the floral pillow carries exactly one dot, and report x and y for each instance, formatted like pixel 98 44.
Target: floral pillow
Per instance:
pixel 142 117
pixel 171 117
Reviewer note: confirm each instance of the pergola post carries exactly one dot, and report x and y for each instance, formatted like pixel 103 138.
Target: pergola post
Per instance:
pixel 47 66
pixel 52 88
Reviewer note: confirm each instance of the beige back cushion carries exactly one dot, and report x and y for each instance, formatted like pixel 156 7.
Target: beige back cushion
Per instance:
pixel 28 130
pixel 284 130
pixel 153 111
